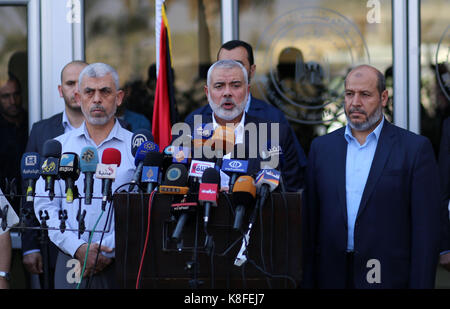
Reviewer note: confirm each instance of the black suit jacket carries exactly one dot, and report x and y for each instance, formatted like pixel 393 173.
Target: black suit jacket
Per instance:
pixel 397 222
pixel 444 170
pixel 291 171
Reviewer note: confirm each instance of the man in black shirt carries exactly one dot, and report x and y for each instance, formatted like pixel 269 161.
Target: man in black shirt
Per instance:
pixel 14 135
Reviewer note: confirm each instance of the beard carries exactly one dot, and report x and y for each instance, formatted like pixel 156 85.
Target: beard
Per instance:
pixel 369 123
pixel 226 114
pixel 98 121
pixel 71 103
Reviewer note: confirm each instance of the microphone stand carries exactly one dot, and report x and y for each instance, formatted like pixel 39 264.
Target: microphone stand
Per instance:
pixel 44 240
pixel 194 283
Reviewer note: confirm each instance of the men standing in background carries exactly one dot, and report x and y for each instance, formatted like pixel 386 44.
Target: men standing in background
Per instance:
pixel 41 131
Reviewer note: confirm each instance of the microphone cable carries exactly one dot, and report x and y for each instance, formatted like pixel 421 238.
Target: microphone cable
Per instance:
pixel 106 224
pixel 101 240
pixel 150 201
pixel 286 207
pixel 87 251
pixel 261 248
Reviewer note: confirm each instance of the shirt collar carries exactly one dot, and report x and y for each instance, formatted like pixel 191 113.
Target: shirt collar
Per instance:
pixel 238 130
pixel 249 99
pixel 65 122
pixel 375 133
pixel 116 133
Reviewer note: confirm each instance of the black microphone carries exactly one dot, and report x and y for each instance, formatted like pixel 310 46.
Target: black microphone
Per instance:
pixel 151 170
pixel 30 172
pixel 51 152
pixel 139 137
pixel 208 191
pixel 244 195
pixel 139 161
pixel 69 171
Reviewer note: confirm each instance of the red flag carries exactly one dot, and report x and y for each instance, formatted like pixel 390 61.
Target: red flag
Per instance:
pixel 163 106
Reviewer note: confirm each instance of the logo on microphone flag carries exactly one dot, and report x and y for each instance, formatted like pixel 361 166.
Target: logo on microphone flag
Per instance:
pixel 149 174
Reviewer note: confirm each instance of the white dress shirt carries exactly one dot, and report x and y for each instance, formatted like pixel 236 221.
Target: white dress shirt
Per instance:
pixel 75 141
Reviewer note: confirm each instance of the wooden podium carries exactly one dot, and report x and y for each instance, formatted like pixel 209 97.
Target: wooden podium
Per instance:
pixel 274 248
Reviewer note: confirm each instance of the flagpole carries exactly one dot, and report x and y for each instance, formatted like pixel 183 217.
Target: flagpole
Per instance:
pixel 158 20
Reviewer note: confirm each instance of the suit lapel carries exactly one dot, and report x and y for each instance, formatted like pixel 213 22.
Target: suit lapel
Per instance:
pixel 59 125
pixel 381 156
pixel 341 159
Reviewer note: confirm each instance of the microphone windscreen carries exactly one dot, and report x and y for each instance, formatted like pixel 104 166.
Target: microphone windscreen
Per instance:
pixel 176 175
pixel 154 158
pixel 51 148
pixel 142 151
pixel 245 184
pixel 111 156
pixel 140 136
pixel 88 159
pixel 211 175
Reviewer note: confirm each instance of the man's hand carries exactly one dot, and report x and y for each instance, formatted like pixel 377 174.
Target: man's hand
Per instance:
pixel 33 263
pixel 444 261
pixel 92 255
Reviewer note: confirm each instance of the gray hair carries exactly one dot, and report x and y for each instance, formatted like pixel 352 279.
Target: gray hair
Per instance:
pixel 97 70
pixel 226 64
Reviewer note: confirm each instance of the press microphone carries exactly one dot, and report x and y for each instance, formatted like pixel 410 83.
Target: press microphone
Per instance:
pixel 51 151
pixel 175 180
pixel 151 170
pixel 196 171
pixel 234 167
pixel 208 191
pixel 273 158
pixel 182 211
pixel 266 181
pixel 244 195
pixel 145 148
pixel 30 169
pixel 106 171
pixel 88 165
pixel 69 171
pixel 139 137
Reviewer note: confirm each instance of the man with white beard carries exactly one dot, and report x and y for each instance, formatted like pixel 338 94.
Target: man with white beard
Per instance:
pixel 227 91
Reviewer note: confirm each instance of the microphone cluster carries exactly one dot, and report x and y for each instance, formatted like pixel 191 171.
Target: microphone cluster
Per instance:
pixel 210 163
pixel 194 181
pixel 54 165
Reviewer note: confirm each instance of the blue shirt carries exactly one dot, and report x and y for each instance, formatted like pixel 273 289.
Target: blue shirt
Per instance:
pixel 75 141
pixel 358 163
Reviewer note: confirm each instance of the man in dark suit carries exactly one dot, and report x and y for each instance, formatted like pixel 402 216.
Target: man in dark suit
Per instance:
pixel 227 91
pixel 444 170
pixel 43 130
pixel 242 52
pixel 371 211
